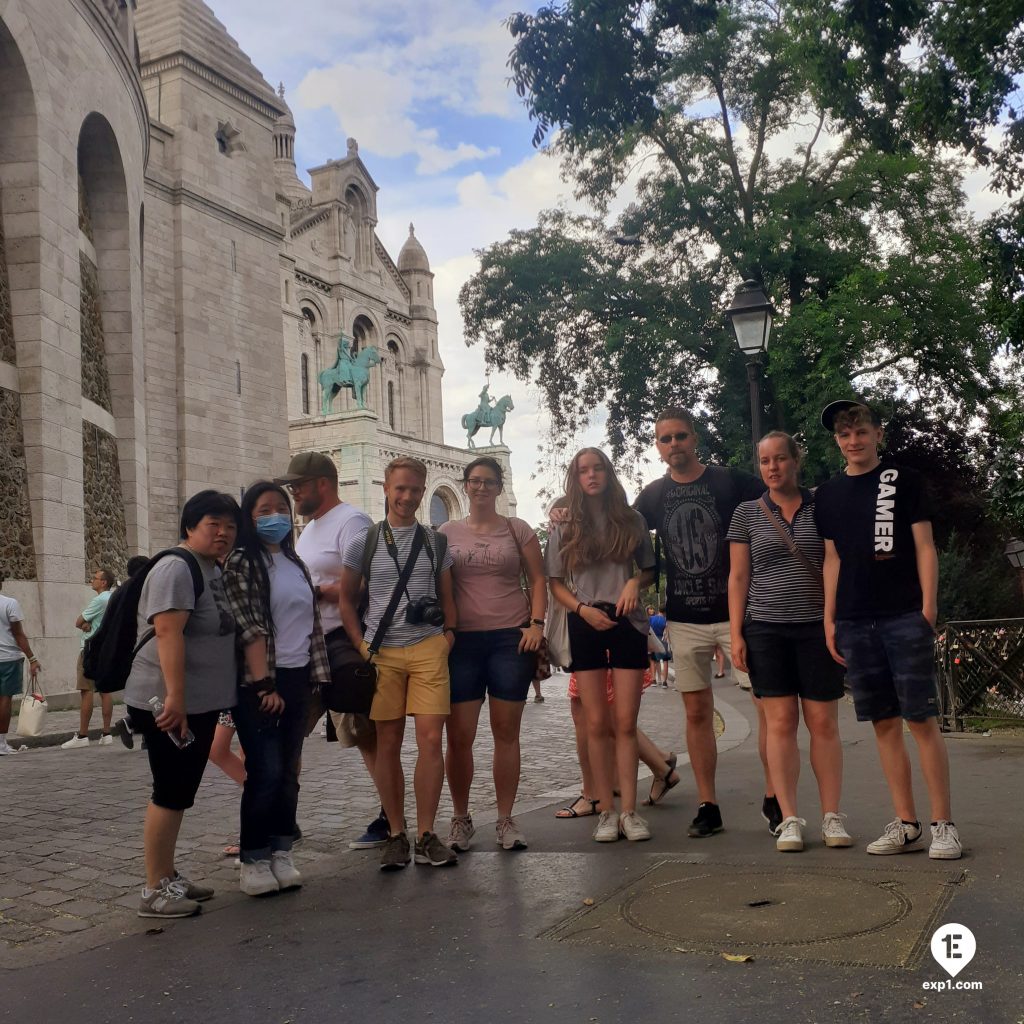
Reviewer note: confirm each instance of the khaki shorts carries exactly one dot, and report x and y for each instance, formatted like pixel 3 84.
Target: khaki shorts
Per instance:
pixel 411 680
pixel 352 730
pixel 82 683
pixel 693 647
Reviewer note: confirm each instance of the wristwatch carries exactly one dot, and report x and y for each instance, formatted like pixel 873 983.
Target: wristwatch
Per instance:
pixel 537 622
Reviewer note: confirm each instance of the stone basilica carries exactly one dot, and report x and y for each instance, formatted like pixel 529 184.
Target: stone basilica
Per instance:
pixel 171 292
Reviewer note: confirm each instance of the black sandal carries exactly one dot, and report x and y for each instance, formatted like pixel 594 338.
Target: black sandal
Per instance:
pixel 665 780
pixel 571 812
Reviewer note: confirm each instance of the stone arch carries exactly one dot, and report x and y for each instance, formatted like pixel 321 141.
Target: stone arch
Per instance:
pixel 19 192
pixel 444 505
pixel 108 360
pixel 393 373
pixel 357 225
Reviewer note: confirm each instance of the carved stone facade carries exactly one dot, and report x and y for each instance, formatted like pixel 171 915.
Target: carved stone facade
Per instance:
pixel 106 540
pixel 95 379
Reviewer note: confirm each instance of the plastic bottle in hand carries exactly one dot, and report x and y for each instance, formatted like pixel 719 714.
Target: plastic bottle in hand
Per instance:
pixel 179 741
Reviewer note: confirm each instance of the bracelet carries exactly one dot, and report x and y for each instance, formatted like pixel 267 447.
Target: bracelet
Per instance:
pixel 537 622
pixel 578 607
pixel 32 658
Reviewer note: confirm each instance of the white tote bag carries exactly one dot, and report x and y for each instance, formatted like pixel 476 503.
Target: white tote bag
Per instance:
pixel 32 716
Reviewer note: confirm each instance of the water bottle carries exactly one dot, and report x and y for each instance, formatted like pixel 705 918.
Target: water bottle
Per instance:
pixel 158 706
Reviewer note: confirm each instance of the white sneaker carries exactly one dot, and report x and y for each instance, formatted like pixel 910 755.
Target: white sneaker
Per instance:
pixel 460 834
pixel 106 739
pixel 284 870
pixel 5 747
pixel 509 835
pixel 833 831
pixel 898 837
pixel 790 835
pixel 75 741
pixel 945 842
pixel 633 827
pixel 607 830
pixel 257 879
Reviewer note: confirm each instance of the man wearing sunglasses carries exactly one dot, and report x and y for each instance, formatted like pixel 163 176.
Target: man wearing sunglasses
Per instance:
pixel 691 507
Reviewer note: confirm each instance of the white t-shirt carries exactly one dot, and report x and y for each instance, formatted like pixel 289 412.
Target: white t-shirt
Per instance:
pixel 291 608
pixel 10 611
pixel 321 546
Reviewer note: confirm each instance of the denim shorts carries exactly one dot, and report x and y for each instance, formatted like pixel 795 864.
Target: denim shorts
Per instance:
pixel 487 661
pixel 790 659
pixel 890 666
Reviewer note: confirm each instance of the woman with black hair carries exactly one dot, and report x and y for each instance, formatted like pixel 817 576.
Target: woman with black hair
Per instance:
pixel 281 641
pixel 182 677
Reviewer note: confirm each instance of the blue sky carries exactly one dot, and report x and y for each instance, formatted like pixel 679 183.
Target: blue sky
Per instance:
pixel 422 86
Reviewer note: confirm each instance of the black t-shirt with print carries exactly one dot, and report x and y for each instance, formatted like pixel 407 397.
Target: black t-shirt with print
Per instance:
pixel 869 518
pixel 692 521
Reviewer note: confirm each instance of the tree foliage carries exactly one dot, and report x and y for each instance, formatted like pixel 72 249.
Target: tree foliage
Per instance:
pixel 717 114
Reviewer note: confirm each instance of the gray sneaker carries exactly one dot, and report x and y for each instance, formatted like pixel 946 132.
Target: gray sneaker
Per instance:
pixel 168 900
pixel 509 836
pixel 461 832
pixel 430 850
pixel 193 890
pixel 898 837
pixel 395 854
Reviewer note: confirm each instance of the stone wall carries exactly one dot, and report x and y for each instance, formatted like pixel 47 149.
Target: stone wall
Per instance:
pixel 95 380
pixel 17 550
pixel 106 536
pixel 7 351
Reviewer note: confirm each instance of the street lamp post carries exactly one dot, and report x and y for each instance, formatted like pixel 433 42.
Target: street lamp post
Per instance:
pixel 751 317
pixel 1014 552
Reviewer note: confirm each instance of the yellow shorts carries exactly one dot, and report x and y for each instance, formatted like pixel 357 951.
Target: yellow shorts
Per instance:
pixel 411 680
pixel 693 647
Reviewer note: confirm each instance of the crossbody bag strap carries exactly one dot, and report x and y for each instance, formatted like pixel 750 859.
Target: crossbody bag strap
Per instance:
pixel 791 545
pixel 396 596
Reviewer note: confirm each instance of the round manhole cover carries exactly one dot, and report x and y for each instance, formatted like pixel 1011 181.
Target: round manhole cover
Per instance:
pixel 790 908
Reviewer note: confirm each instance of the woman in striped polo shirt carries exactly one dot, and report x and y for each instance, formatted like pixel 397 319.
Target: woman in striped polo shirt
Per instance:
pixel 776 611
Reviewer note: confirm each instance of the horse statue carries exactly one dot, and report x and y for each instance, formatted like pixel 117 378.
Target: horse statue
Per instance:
pixel 493 418
pixel 353 373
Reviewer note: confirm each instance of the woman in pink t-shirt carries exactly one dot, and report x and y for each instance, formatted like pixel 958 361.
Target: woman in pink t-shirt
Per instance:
pixel 500 629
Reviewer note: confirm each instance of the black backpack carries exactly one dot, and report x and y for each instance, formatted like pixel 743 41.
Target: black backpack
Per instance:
pixel 108 654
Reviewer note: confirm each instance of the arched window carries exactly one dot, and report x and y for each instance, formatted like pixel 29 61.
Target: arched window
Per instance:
pixel 391 404
pixel 439 511
pixel 304 378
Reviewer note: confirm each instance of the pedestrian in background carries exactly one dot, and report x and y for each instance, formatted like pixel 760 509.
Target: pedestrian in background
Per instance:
pixel 271 596
pixel 102 583
pixel 14 648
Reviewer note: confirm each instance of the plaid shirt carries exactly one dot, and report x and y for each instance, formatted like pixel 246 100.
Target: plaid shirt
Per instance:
pixel 252 619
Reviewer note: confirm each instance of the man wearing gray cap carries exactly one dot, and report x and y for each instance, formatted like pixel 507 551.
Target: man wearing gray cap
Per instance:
pixel 312 479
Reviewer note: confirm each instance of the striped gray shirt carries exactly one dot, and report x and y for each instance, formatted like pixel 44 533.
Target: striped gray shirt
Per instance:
pixel 781 587
pixel 384 576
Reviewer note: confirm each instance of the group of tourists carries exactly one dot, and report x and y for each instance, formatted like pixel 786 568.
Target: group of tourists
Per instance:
pixel 801 590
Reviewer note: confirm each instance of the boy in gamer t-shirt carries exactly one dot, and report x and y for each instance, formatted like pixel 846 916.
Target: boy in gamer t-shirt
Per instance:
pixel 881 582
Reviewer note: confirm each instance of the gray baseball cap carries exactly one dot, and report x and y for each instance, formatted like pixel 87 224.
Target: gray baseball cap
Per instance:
pixel 308 466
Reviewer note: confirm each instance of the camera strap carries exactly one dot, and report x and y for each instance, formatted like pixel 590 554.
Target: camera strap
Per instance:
pixel 403 580
pixel 421 536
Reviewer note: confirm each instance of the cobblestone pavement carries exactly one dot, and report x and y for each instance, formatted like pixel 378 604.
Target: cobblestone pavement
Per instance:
pixel 71 842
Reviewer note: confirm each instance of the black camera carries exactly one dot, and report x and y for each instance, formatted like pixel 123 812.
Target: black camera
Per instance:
pixel 607 607
pixel 426 611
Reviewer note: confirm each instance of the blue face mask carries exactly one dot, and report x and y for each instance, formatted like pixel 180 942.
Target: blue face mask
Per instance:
pixel 273 529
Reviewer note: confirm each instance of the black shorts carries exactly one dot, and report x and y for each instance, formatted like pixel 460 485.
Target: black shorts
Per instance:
pixel 622 647
pixel 790 659
pixel 176 772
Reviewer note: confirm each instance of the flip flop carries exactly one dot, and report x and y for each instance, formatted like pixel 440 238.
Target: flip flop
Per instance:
pixel 571 812
pixel 666 781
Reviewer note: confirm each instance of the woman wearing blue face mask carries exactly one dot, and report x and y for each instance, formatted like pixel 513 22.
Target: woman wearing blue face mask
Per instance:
pixel 283 657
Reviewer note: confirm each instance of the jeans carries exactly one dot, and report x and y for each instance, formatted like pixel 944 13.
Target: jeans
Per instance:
pixel 273 751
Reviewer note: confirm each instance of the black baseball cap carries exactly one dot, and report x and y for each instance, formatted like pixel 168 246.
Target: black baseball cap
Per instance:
pixel 308 466
pixel 833 409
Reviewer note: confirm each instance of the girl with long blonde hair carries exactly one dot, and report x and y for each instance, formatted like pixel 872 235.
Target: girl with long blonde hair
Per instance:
pixel 603 551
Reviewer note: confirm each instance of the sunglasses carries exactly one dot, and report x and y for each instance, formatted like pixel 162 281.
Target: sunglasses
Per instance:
pixel 682 435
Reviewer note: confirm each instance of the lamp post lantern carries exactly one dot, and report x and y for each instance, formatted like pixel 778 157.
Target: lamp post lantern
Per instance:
pixel 751 317
pixel 1014 552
